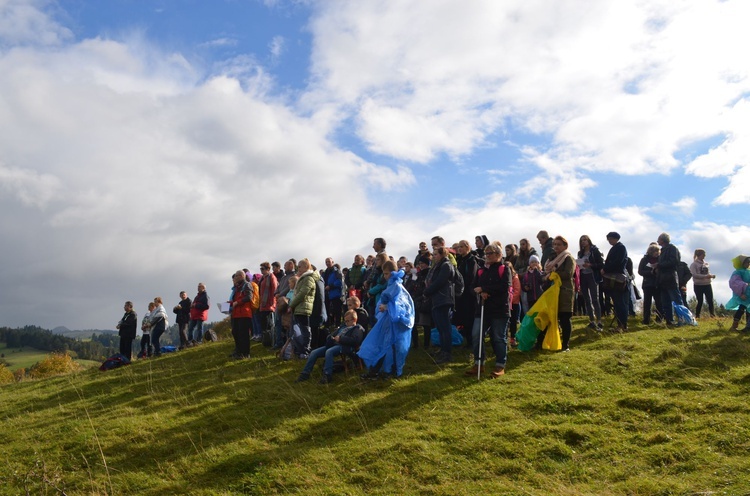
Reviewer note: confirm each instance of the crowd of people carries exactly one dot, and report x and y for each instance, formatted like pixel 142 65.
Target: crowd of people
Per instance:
pixel 373 311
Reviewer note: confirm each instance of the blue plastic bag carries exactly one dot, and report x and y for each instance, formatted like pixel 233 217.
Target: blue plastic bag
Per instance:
pixel 456 338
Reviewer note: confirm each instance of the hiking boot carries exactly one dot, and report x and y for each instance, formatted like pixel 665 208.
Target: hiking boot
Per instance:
pixel 303 377
pixel 497 372
pixel 734 325
pixel 599 327
pixel 476 369
pixel 592 325
pixel 326 379
pixel 369 376
pixel 513 343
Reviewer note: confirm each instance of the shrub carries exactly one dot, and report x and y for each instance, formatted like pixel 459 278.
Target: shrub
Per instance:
pixel 6 376
pixel 223 329
pixel 54 364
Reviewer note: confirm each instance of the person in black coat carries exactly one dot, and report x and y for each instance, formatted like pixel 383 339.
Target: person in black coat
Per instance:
pixel 440 290
pixel 466 303
pixel 126 329
pixel 492 285
pixel 650 285
pixel 666 271
pixel 182 310
pixel 615 263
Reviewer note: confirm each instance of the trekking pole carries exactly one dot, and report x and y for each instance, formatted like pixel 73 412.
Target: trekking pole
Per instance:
pixel 481 336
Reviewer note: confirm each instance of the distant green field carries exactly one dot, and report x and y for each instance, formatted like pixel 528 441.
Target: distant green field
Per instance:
pixel 29 356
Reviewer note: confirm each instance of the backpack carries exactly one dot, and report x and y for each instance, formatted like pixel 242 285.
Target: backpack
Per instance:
pixel 500 273
pixel 255 297
pixel 117 360
pixel 458 283
pixel 210 335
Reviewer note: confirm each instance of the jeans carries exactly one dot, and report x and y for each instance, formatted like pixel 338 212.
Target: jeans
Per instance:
pixel 156 333
pixel 442 317
pixel 701 291
pixel 257 325
pixel 146 347
pixel 278 337
pixel 590 292
pixel 620 301
pixel 498 338
pixel 304 326
pixel 317 353
pixel 195 331
pixel 667 297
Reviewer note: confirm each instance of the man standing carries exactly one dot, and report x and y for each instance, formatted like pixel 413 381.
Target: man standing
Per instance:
pixel 242 315
pixel 268 286
pixel 546 243
pixel 326 274
pixel 290 267
pixel 615 264
pixel 127 329
pixel 276 270
pixel 198 315
pixel 666 274
pixel 182 310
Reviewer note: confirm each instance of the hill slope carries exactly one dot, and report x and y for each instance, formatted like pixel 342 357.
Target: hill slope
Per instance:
pixel 653 411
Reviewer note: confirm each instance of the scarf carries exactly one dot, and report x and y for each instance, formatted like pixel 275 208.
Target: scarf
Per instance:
pixel 552 265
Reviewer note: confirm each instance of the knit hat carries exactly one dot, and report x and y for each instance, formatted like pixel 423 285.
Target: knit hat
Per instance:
pixel 533 258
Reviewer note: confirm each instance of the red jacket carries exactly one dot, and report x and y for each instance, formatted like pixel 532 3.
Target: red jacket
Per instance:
pixel 242 295
pixel 268 287
pixel 199 307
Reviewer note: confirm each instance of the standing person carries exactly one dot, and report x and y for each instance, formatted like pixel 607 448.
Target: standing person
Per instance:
pixel 182 310
pixel 617 259
pixel 146 349
pixel 386 345
pixel 290 267
pixel 650 284
pixel 335 293
pixel 525 252
pixel 515 306
pixel 702 282
pixel 127 328
pixel 355 278
pixel 591 262
pixel 565 266
pixel 198 315
pixel 423 251
pixel 739 283
pixel 683 277
pixel 276 271
pixel 511 254
pixel 545 242
pixel 492 285
pixel 242 315
pixel 440 290
pixel 324 277
pixel 481 242
pixel 159 324
pixel 466 303
pixel 301 304
pixel 666 269
pixel 267 308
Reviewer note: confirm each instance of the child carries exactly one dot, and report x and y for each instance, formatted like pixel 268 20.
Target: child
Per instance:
pixel 353 303
pixel 515 305
pixel 146 349
pixel 533 280
pixel 739 282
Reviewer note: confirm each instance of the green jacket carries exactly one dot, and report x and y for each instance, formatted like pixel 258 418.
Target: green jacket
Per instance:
pixel 304 293
pixel 567 271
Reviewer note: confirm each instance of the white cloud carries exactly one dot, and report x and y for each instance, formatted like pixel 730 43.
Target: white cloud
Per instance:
pixel 32 188
pixel 23 22
pixel 618 86
pixel 277 47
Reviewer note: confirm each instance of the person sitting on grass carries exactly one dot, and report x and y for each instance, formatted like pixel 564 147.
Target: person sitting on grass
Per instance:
pixel 345 341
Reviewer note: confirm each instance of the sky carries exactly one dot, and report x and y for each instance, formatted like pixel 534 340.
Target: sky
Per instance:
pixel 149 146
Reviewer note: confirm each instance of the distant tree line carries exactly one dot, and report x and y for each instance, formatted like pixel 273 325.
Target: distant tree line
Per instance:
pixel 100 345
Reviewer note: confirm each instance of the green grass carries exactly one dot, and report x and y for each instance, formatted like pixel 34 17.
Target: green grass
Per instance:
pixel 29 356
pixel 650 412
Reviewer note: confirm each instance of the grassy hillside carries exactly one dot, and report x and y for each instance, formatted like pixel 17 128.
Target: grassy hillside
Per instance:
pixel 650 412
pixel 29 356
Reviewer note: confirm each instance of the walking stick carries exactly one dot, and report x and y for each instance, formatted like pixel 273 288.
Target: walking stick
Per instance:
pixel 481 337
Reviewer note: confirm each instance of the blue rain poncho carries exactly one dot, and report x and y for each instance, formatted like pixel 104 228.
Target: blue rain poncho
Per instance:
pixel 390 337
